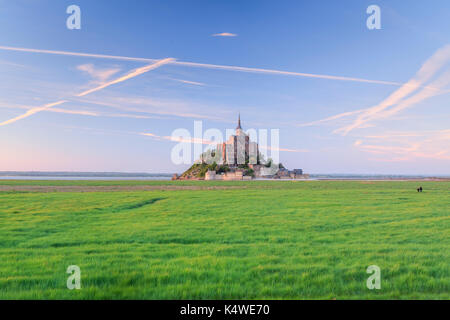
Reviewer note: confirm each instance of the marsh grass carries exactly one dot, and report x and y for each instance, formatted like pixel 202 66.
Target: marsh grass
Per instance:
pixel 271 240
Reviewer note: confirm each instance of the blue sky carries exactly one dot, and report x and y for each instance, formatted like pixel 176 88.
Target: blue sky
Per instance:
pixel 394 121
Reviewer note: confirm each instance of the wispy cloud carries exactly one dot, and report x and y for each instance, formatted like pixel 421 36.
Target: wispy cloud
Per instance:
pixel 283 149
pixel 404 97
pixel 207 66
pixel 178 139
pixel 89 113
pixel 399 98
pixel 97 74
pixel 76 112
pixel 407 146
pixel 209 142
pixel 12 64
pixel 195 83
pixel 163 107
pixel 132 74
pixel 423 94
pixel 224 34
pixel 335 117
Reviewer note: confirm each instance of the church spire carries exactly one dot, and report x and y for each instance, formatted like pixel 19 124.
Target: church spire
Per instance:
pixel 239 122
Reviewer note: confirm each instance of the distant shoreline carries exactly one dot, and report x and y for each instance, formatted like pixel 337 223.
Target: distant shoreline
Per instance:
pixel 67 175
pixel 80 174
pixel 392 179
pixel 163 177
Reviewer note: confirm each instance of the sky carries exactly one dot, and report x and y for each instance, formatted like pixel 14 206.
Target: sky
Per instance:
pixel 108 96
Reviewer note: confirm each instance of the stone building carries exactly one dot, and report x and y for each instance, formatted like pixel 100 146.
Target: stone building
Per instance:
pixel 238 149
pixel 290 174
pixel 211 175
pixel 231 175
pixel 237 159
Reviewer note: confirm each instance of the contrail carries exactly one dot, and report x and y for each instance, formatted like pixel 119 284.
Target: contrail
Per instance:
pixel 130 75
pixel 435 63
pixel 398 100
pixel 286 73
pixel 337 116
pixel 205 65
pixel 32 111
pixel 78 54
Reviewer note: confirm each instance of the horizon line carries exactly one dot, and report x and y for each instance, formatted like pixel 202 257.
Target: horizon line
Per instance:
pixel 167 173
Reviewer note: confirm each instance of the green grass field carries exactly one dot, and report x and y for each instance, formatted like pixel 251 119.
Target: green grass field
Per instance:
pixel 256 240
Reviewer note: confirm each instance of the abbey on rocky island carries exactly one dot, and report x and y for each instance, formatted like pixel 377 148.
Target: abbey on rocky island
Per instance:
pixel 237 159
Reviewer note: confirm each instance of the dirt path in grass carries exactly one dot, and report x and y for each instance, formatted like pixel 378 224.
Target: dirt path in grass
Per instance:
pixel 110 188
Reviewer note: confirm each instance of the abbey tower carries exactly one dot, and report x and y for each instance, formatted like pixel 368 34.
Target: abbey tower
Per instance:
pixel 238 149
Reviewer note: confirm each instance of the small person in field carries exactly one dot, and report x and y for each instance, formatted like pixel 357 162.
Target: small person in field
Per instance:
pixel 419 189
